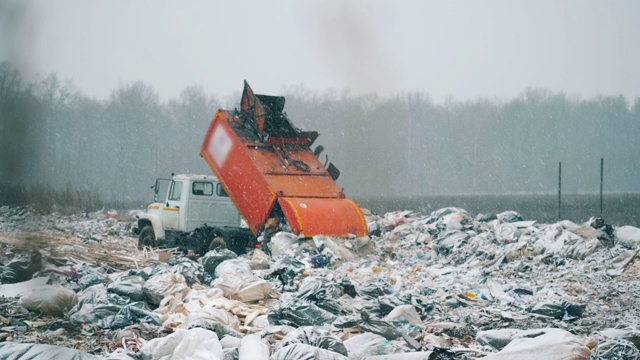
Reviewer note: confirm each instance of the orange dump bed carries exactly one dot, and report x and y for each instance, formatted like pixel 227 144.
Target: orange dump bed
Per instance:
pixel 268 169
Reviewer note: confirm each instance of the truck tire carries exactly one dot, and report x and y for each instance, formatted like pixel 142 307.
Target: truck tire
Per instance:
pixel 147 237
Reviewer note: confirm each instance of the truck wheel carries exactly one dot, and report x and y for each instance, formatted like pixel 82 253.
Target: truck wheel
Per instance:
pixel 147 237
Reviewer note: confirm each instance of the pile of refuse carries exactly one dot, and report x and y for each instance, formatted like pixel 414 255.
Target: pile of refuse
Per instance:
pixel 445 285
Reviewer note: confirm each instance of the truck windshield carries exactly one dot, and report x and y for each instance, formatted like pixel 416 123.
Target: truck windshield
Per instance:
pixel 176 191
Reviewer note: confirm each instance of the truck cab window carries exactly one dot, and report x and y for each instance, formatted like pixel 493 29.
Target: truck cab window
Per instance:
pixel 202 188
pixel 176 191
pixel 220 191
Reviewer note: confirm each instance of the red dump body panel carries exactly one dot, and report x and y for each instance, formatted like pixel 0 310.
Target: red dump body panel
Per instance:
pixel 264 163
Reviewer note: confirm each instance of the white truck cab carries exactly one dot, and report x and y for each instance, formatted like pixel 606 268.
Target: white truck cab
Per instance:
pixel 195 210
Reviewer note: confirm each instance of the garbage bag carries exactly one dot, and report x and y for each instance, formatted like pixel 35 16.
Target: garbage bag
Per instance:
pixel 421 355
pixel 233 266
pixel 553 344
pixel 377 326
pixel 17 289
pixel 119 354
pixel 364 345
pixel 506 233
pixel 632 335
pixel 547 308
pixel 617 264
pixel 88 280
pixel 49 299
pixel 319 337
pixel 509 216
pixel 193 272
pixel 321 292
pixel 348 321
pixel 486 217
pixel 369 324
pixel 213 258
pixel 19 351
pixel 109 310
pixel 208 318
pixel 604 230
pixel 372 291
pixel 284 271
pixel 348 287
pixel 404 313
pixel 628 236
pixel 129 286
pixel 282 243
pixel 242 286
pixel 298 312
pixel 306 352
pixel 573 310
pixel 194 344
pixel 162 285
pixel 288 262
pixel 497 338
pixel 231 353
pixel 229 342
pixel 21 268
pixel 253 348
pixel 259 260
pixel 254 291
pixel 110 316
pixel 616 349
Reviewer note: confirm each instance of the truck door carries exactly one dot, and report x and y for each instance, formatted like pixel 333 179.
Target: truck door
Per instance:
pixel 225 211
pixel 171 211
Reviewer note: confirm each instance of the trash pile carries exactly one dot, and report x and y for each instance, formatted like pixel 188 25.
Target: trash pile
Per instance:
pixel 447 285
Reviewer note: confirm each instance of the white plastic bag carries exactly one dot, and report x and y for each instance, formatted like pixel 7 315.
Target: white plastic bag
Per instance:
pixel 163 285
pixel 628 236
pixel 256 290
pixel 253 348
pixel 404 313
pixel 554 344
pixel 193 344
pixel 48 299
pixel 283 243
pixel 364 345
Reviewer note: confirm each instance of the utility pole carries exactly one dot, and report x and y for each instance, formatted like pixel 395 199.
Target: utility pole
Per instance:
pixel 559 190
pixel 601 182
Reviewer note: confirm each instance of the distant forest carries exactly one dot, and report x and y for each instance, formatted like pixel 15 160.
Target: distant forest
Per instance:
pixel 54 138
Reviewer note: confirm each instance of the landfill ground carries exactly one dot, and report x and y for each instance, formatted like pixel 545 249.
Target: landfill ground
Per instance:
pixel 441 285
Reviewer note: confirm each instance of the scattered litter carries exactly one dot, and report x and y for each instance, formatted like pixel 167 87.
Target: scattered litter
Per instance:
pixel 444 285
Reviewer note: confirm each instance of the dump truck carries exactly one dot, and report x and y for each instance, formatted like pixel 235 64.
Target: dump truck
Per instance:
pixel 265 167
pixel 195 213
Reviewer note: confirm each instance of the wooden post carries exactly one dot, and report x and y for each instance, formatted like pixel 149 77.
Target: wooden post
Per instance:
pixel 559 190
pixel 601 182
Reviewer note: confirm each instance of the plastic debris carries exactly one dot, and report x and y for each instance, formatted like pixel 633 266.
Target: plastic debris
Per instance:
pixel 554 344
pixel 443 285
pixel 21 268
pixel 49 299
pixel 196 344
pixel 16 351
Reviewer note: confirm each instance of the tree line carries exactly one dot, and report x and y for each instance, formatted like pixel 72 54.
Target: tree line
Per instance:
pixel 56 140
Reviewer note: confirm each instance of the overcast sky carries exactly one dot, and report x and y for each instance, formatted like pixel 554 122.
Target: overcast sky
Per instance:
pixel 465 49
